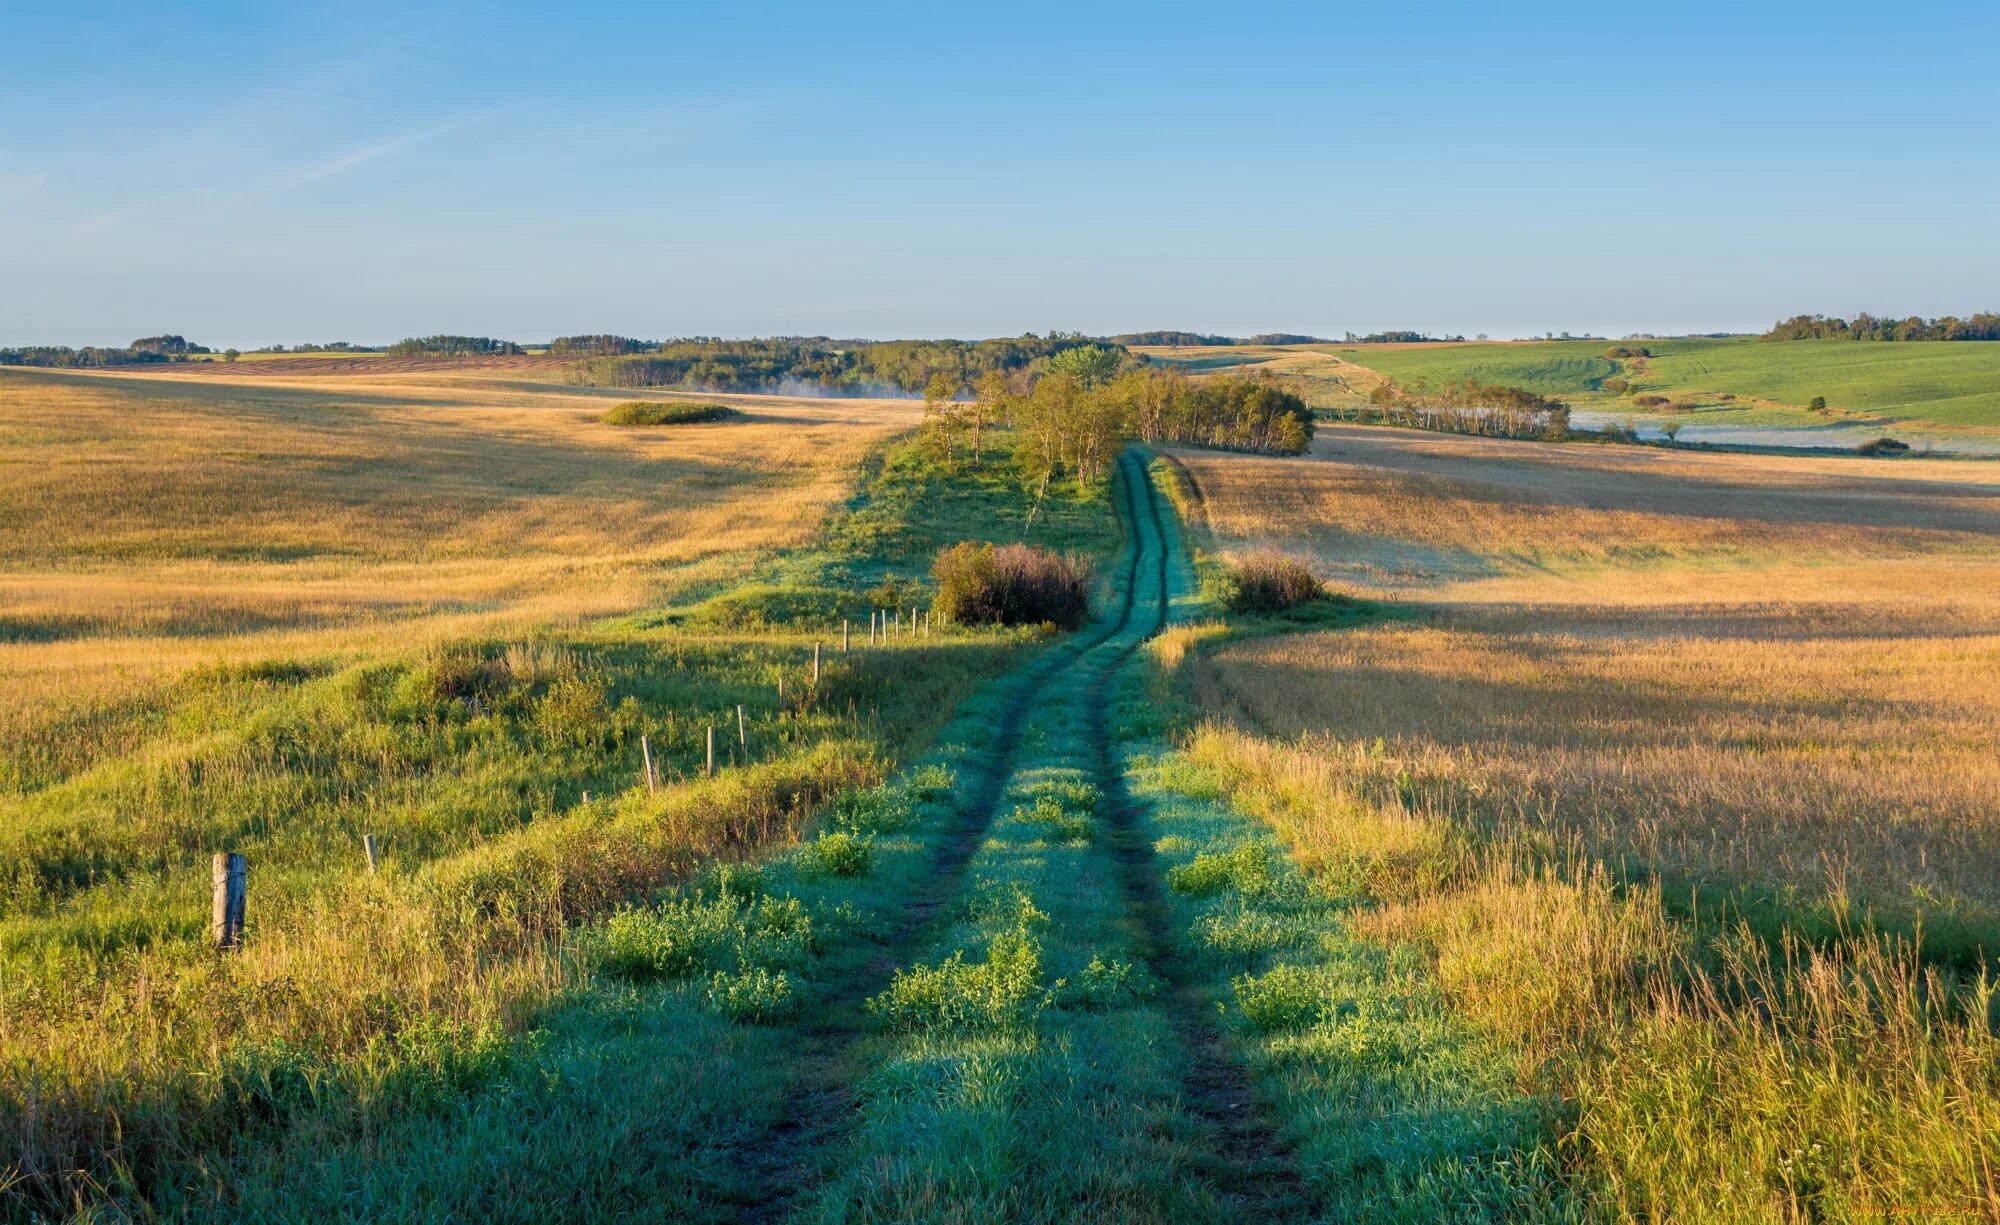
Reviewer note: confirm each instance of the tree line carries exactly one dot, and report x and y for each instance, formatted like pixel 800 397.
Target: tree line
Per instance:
pixel 1493 410
pixel 1184 340
pixel 146 349
pixel 1983 326
pixel 838 367
pixel 1081 407
pixel 452 346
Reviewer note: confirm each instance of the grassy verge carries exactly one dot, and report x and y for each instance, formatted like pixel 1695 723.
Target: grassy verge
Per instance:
pixel 133 1062
pixel 1456 1024
pixel 1024 1068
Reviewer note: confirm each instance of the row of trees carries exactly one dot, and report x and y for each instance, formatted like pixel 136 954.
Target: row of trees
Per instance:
pixel 1982 326
pixel 452 346
pixel 1079 410
pixel 1200 339
pixel 1468 407
pixel 850 367
pixel 146 349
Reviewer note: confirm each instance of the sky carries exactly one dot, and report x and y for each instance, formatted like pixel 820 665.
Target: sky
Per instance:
pixel 250 174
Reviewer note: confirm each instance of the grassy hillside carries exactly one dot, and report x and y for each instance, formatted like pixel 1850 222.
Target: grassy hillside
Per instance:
pixel 632 595
pixel 1937 384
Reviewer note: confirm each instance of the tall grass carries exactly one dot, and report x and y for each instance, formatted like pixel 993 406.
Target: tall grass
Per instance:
pixel 504 779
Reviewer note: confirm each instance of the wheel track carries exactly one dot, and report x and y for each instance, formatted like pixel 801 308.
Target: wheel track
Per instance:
pixel 1251 1167
pixel 822 1105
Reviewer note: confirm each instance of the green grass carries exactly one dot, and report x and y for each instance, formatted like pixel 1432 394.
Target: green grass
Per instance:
pixel 1949 384
pixel 660 412
pixel 504 781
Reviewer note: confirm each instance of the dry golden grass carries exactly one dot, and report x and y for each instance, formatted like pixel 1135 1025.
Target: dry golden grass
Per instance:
pixel 151 523
pixel 1757 671
pixel 1656 738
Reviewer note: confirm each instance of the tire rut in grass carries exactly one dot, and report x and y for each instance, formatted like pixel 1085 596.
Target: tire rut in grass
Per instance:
pixel 1252 1166
pixel 782 1163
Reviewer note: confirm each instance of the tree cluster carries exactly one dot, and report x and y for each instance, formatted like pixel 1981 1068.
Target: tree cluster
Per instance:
pixel 1398 338
pixel 143 351
pixel 837 367
pixel 452 346
pixel 1983 326
pixel 601 345
pixel 1470 407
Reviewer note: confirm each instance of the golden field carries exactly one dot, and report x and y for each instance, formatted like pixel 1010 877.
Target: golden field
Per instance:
pixel 150 522
pixel 1682 769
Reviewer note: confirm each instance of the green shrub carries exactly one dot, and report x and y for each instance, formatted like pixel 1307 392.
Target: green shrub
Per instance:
pixel 1005 991
pixel 1883 446
pixel 877 810
pixel 1247 868
pixel 1816 405
pixel 651 412
pixel 840 854
pixel 1106 984
pixel 1285 997
pixel 1272 582
pixel 688 936
pixel 932 782
pixel 1058 823
pixel 1014 584
pixel 758 606
pixel 574 713
pixel 756 995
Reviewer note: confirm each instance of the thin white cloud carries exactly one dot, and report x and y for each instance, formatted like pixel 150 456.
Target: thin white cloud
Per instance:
pixel 358 157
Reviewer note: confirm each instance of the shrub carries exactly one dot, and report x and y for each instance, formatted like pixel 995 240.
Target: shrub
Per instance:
pixel 756 994
pixel 841 854
pixel 1271 582
pixel 1286 997
pixel 688 936
pixel 1616 386
pixel 1650 400
pixel 649 412
pixel 1058 824
pixel 1104 984
pixel 1005 991
pixel 1015 584
pixel 1817 404
pixel 1247 868
pixel 1883 446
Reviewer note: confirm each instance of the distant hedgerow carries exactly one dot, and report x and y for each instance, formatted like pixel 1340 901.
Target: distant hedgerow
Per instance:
pixel 1014 584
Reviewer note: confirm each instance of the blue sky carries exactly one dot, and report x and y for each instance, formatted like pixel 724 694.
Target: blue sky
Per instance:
pixel 256 173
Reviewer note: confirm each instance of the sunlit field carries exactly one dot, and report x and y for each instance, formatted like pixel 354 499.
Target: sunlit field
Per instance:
pixel 155 521
pixel 1640 736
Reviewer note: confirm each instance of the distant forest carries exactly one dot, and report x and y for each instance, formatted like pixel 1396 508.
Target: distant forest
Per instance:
pixel 1982 326
pixel 1199 339
pixel 834 366
pixel 144 350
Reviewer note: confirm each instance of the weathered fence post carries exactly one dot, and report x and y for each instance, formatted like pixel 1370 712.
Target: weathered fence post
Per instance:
pixel 843 635
pixel 742 731
pixel 815 663
pixel 711 750
pixel 646 747
pixel 231 892
pixel 368 848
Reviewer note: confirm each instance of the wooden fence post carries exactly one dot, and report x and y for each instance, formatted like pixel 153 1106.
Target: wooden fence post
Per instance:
pixel 815 663
pixel 742 732
pixel 843 635
pixel 368 847
pixel 646 747
pixel 232 873
pixel 711 750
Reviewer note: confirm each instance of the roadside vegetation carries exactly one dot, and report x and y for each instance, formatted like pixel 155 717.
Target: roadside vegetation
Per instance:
pixel 1635 829
pixel 520 785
